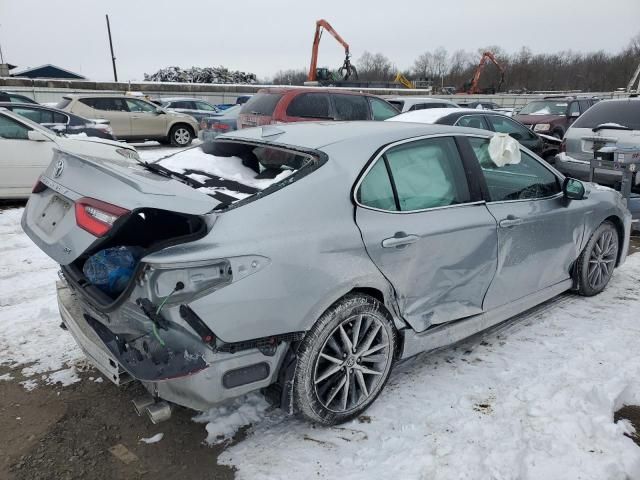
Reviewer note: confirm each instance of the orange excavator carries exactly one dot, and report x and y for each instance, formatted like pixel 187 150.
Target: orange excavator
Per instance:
pixel 324 74
pixel 472 86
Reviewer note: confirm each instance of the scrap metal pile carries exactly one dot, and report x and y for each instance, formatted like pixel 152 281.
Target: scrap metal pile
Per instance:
pixel 200 75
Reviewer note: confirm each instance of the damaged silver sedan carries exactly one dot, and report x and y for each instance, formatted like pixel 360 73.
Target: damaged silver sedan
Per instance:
pixel 347 247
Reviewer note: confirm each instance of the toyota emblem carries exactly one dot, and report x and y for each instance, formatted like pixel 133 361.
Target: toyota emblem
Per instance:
pixel 59 167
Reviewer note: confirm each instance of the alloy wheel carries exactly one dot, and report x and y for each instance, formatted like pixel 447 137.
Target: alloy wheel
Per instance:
pixel 602 259
pixel 182 136
pixel 351 363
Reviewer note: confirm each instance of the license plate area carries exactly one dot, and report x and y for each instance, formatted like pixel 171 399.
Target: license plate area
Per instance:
pixel 53 214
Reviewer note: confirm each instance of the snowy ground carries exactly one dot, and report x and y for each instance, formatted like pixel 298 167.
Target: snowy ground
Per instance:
pixel 533 400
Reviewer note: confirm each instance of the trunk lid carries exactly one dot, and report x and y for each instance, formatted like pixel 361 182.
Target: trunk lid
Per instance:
pixel 49 218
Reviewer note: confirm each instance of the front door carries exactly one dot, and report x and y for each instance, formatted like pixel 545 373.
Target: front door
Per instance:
pixel 146 122
pixel 538 229
pixel 427 231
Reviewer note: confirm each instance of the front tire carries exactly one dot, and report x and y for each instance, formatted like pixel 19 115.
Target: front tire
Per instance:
pixel 597 261
pixel 344 361
pixel 180 135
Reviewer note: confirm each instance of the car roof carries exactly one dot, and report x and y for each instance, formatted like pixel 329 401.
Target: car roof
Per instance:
pixel 32 105
pixel 176 99
pixel 368 134
pixel 432 115
pixel 420 99
pixel 310 89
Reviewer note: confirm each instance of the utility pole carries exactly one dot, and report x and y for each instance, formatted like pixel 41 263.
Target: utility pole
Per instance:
pixel 113 57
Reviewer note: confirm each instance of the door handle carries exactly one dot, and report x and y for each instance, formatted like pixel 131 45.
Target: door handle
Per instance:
pixel 399 240
pixel 510 221
pixel 135 116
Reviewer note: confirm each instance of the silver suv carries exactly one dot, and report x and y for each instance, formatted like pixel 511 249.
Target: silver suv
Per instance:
pixel 134 119
pixel 607 123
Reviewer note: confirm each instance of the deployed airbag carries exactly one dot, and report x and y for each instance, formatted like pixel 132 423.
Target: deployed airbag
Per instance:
pixel 504 150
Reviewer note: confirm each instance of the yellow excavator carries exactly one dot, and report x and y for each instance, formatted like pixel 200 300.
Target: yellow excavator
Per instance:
pixel 400 78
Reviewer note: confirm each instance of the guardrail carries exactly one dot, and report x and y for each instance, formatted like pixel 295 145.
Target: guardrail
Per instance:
pixel 49 91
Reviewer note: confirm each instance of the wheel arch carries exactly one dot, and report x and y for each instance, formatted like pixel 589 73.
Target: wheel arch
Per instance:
pixel 619 224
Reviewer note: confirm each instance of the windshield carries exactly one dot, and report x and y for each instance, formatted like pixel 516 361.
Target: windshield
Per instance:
pixel 625 113
pixel 545 107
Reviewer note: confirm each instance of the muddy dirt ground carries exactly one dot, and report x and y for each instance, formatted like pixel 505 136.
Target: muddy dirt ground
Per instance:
pixel 90 431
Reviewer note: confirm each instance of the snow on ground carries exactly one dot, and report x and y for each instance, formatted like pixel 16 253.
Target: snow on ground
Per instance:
pixel 533 401
pixel 30 336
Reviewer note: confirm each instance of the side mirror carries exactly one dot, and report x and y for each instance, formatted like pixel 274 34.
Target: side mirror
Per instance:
pixel 37 136
pixel 574 114
pixel 573 189
pixel 160 111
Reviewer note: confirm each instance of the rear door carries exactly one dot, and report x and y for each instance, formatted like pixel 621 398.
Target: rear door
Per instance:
pixel 424 226
pixel 108 108
pixel 350 107
pixel 22 160
pixel 308 107
pixel 146 122
pixel 539 231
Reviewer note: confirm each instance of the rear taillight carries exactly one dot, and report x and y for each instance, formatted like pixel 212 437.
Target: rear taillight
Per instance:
pixel 97 217
pixel 220 127
pixel 39 187
pixel 563 146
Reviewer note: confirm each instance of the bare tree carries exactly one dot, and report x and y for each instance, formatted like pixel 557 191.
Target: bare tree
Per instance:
pixel 375 66
pixel 290 77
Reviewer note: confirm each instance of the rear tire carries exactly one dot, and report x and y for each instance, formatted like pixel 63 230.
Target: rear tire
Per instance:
pixel 598 259
pixel 344 361
pixel 180 135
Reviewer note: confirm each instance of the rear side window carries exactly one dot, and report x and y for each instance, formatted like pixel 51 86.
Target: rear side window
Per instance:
pixel 472 121
pixel 262 104
pixel 351 107
pixel 625 113
pixel 381 110
pixel 310 105
pixel 182 104
pixel 12 130
pixel 425 174
pixel 40 116
pixel 375 190
pixel 107 104
pixel 205 106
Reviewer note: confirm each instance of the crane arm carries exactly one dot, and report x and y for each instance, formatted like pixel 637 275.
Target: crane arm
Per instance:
pixel 476 76
pixel 320 25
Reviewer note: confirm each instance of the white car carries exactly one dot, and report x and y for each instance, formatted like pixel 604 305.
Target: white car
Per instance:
pixel 27 148
pixel 409 104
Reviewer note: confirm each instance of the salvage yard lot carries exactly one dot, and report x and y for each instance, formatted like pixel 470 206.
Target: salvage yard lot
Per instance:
pixel 533 398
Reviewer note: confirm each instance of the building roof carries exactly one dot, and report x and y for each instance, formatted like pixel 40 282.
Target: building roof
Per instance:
pixel 47 71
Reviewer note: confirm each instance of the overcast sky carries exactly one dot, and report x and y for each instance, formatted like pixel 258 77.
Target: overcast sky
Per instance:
pixel 266 36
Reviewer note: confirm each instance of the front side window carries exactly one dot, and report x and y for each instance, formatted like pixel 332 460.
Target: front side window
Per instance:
pixel 528 179
pixel 416 176
pixel 350 107
pixel 502 124
pixel 309 105
pixel 472 121
pixel 12 130
pixel 381 110
pixel 140 106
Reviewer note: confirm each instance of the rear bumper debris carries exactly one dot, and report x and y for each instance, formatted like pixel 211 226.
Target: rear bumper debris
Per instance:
pixel 198 380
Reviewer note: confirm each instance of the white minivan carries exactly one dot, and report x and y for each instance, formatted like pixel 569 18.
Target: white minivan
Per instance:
pixel 26 149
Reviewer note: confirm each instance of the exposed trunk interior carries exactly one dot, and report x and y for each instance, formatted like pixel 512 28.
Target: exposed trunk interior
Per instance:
pixel 149 229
